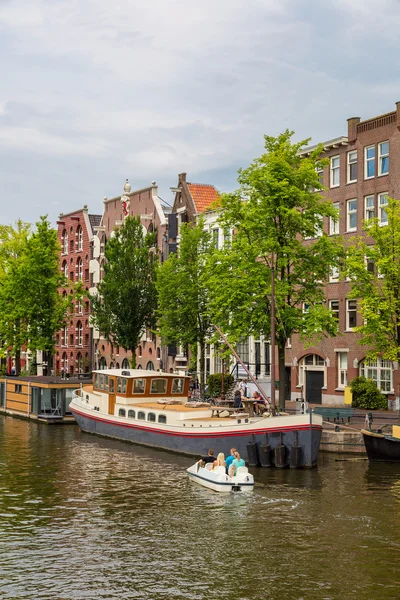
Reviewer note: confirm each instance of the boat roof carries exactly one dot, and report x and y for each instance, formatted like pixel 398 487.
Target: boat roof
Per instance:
pixel 136 373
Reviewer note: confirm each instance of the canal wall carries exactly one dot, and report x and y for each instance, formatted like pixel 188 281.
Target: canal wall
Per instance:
pixel 350 442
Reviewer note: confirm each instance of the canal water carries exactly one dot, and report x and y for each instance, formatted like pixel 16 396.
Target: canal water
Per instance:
pixel 87 518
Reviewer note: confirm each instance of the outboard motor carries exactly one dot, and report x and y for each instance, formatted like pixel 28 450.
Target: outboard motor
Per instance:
pixel 295 452
pixel 280 454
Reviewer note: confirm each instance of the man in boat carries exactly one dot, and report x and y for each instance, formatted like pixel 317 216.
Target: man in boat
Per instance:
pixel 210 458
pixel 229 459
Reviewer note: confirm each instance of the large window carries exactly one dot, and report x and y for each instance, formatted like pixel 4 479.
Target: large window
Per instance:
pixel 380 371
pixel 177 386
pixel 369 162
pixel 79 269
pixel 215 238
pixel 311 362
pixel 158 386
pixel 138 386
pixel 79 337
pixel 382 206
pixel 334 275
pixel 335 171
pixel 334 221
pixel 369 207
pixel 65 242
pixel 383 158
pixel 334 306
pixel 351 215
pixel 352 166
pixel 79 236
pixel 351 314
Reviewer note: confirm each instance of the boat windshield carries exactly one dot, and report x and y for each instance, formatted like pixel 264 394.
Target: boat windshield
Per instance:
pixel 158 386
pixel 138 386
pixel 177 386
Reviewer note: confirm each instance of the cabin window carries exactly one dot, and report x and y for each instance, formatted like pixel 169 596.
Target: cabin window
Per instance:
pixel 124 382
pixel 18 388
pixel 151 417
pixel 119 385
pixel 162 418
pixel 106 382
pixel 111 386
pixel 101 382
pixel 158 386
pixel 131 414
pixel 141 415
pixel 177 386
pixel 121 412
pixel 96 380
pixel 138 386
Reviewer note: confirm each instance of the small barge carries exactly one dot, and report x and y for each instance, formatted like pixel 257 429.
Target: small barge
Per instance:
pixel 152 408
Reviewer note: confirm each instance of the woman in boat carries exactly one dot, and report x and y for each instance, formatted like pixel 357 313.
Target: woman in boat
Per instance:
pixel 220 460
pixel 236 463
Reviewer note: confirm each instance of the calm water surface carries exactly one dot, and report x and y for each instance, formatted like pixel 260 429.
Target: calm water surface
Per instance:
pixel 84 517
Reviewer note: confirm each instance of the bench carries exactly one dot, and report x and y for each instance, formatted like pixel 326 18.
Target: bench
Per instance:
pixel 336 414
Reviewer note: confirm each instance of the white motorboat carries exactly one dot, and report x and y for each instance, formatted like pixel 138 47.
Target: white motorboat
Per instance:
pixel 216 479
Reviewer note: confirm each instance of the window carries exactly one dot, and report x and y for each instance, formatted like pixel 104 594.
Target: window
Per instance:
pixel 96 380
pixel 335 171
pixel 79 237
pixel 334 221
pixel 65 242
pixel 334 275
pixel 138 386
pixel 125 364
pixel 352 166
pixel 162 419
pixel 150 366
pixel 351 314
pixel 131 414
pixel 227 236
pixel 215 237
pixel 65 336
pixel 65 269
pixel 306 307
pixel 106 383
pixel 124 382
pixel 351 215
pixel 369 202
pixel 141 415
pixel 342 369
pixel 334 306
pixel 369 166
pixel 383 158
pixel 320 173
pixel 382 208
pixel 80 333
pixel 158 386
pixel 101 384
pixel 79 269
pixel 380 371
pixel 151 417
pixel 177 386
pixel 317 362
pixel 121 412
pixel 111 385
pixel 18 388
pixel 119 385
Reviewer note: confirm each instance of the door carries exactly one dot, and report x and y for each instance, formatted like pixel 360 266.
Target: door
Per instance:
pixel 111 395
pixel 314 385
pixel 288 372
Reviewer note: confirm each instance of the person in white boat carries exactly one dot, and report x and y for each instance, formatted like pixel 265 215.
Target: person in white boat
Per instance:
pixel 210 458
pixel 220 461
pixel 236 463
pixel 229 459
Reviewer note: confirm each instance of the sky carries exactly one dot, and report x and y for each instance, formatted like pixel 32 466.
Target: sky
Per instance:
pixel 93 92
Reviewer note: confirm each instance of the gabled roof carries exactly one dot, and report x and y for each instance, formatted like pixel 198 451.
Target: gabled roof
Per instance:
pixel 94 221
pixel 203 195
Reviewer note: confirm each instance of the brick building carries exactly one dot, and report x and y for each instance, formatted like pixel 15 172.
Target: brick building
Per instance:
pixel 152 211
pixel 73 344
pixel 364 168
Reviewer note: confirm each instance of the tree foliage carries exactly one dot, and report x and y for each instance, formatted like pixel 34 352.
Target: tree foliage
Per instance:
pixel 274 210
pixel 183 315
pixel 126 300
pixel 373 266
pixel 31 307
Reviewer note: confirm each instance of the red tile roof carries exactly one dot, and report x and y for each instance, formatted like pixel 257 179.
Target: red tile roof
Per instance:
pixel 203 195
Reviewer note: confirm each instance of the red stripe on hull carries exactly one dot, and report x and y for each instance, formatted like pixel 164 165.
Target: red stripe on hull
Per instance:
pixel 200 435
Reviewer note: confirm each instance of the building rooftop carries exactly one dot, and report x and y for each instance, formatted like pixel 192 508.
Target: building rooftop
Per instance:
pixel 203 195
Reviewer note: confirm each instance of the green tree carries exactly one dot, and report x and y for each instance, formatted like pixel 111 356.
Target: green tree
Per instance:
pixel 183 315
pixel 31 307
pixel 373 266
pixel 274 214
pixel 125 302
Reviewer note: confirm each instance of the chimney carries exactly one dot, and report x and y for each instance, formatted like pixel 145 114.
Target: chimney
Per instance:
pixel 398 115
pixel 352 128
pixel 182 178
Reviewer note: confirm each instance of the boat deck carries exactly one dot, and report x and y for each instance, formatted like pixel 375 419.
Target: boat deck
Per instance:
pixel 168 407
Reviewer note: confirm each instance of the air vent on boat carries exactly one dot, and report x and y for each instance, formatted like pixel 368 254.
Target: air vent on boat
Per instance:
pixel 126 373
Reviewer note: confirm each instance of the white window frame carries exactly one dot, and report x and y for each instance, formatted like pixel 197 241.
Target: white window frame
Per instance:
pixel 349 163
pixel 350 310
pixel 342 361
pixel 335 170
pixel 373 370
pixel 334 223
pixel 368 209
pixel 215 237
pixel 367 160
pixel 338 307
pixel 65 242
pixel 350 213
pixel 80 334
pixel 320 173
pixel 334 275
pixel 80 238
pixel 382 156
pixel 80 269
pixel 382 208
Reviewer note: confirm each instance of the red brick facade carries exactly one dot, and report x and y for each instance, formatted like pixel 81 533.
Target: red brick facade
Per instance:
pixel 355 194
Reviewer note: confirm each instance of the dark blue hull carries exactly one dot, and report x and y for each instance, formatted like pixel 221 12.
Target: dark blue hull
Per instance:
pixel 198 444
pixel 380 447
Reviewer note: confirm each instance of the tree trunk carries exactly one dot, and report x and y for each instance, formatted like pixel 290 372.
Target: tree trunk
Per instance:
pixel 133 358
pixel 202 363
pixel 17 361
pixel 281 366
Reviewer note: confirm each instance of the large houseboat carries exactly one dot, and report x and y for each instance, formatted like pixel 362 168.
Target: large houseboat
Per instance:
pixel 153 409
